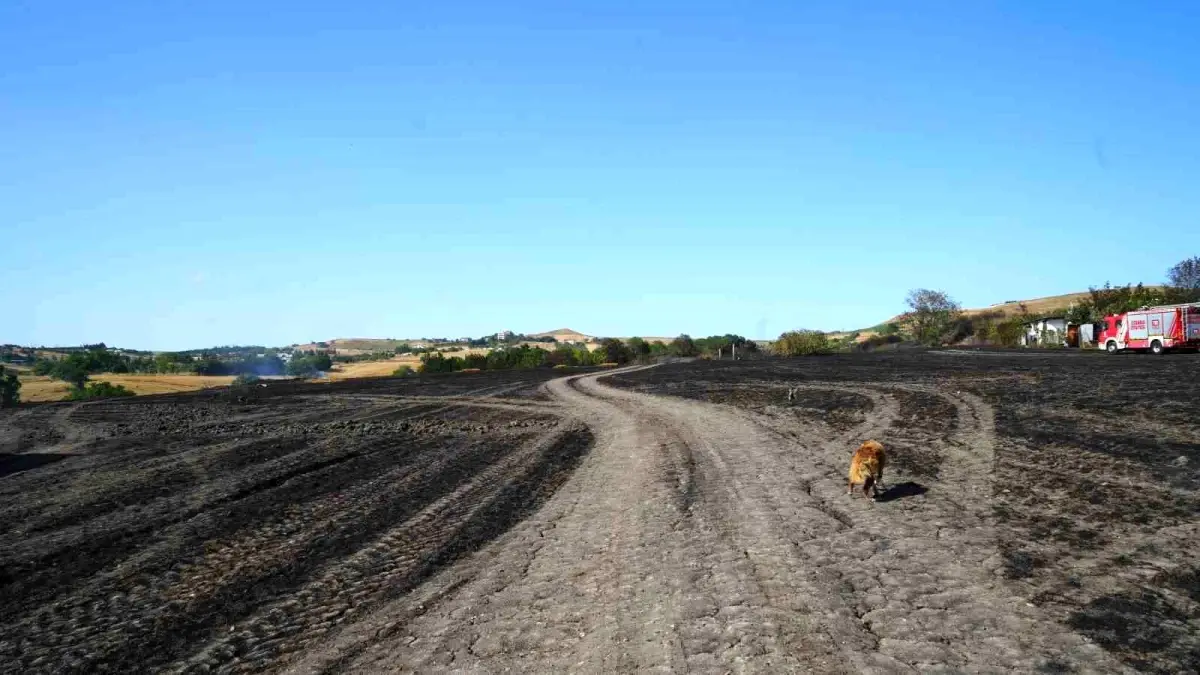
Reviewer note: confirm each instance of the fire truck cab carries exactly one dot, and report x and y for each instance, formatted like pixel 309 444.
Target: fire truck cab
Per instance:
pixel 1153 329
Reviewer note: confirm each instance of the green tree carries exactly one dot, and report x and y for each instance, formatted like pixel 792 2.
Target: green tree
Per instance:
pixel 71 372
pixel 10 389
pixel 615 351
pixel 436 362
pixel 476 360
pixel 307 365
pixel 684 346
pixel 638 347
pixel 934 315
pixel 801 343
pixel 1186 274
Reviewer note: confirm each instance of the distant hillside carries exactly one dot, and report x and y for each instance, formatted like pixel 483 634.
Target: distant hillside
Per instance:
pixel 1035 307
pixel 565 335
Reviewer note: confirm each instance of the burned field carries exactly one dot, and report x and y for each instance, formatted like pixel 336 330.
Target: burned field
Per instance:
pixel 1093 497
pixel 226 530
pixel 1041 515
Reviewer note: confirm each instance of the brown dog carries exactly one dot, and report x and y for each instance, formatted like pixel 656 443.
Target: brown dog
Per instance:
pixel 867 468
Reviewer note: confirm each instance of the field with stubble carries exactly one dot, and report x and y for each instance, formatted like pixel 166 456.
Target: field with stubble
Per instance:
pixel 1040 515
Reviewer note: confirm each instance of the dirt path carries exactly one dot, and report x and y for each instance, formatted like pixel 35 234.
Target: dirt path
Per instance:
pixel 696 537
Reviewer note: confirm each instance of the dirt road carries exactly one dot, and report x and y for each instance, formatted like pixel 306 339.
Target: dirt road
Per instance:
pixel 701 538
pixel 1041 516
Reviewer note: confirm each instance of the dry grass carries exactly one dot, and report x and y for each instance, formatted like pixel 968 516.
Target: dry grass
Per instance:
pixel 350 371
pixel 36 388
pixel 1034 307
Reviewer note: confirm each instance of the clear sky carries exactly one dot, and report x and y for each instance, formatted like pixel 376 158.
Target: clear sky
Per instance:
pixel 184 174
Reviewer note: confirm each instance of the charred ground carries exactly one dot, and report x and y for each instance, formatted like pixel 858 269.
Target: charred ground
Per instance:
pixel 1042 515
pixel 228 529
pixel 1095 495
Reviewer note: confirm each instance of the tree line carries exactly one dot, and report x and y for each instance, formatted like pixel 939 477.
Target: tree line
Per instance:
pixel 610 351
pixel 934 318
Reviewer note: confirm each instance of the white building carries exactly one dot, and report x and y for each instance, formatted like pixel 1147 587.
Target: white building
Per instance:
pixel 1045 329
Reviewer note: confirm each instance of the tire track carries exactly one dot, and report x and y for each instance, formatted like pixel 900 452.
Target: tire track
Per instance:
pixel 919 576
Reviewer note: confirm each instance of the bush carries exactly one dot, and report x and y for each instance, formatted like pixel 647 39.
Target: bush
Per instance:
pixel 639 347
pixel 245 379
pixel 402 371
pixel 683 346
pixel 96 390
pixel 517 357
pixel 568 355
pixel 436 362
pixel 615 351
pixel 307 366
pixel 10 389
pixel 476 360
pixel 801 343
pixel 1008 332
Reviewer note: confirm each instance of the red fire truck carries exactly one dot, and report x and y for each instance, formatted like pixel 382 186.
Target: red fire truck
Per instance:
pixel 1155 329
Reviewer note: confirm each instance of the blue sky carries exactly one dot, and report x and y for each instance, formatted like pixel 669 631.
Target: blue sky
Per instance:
pixel 177 175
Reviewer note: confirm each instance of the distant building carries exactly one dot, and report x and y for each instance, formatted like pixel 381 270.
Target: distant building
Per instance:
pixel 1039 332
pixel 504 335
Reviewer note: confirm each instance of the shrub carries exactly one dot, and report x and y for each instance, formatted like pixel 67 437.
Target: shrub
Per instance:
pixel 683 346
pixel 307 366
pixel 516 357
pixel 478 361
pixel 436 362
pixel 402 371
pixel 1008 332
pixel 96 390
pixel 639 347
pixel 568 355
pixel 615 351
pixel 801 343
pixel 245 379
pixel 10 389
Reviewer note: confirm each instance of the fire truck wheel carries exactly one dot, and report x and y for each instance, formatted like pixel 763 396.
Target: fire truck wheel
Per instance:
pixel 1156 347
pixel 1112 348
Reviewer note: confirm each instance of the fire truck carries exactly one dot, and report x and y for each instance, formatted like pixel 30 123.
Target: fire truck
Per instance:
pixel 1153 329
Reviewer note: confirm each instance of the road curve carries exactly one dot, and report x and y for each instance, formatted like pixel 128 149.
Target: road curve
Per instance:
pixel 699 538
